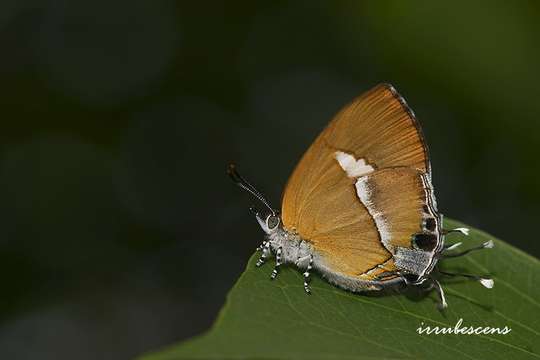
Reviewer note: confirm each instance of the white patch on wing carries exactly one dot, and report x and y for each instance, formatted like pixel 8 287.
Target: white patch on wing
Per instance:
pixel 354 168
pixel 364 194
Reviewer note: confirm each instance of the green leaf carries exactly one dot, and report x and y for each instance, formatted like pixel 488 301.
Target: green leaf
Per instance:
pixel 264 319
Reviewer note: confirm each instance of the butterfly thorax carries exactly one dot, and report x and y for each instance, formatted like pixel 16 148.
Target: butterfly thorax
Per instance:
pixel 292 246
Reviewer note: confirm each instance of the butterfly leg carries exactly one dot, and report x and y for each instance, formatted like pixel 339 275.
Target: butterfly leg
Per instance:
pixel 265 253
pixel 278 264
pixel 261 247
pixel 307 275
pixel 434 284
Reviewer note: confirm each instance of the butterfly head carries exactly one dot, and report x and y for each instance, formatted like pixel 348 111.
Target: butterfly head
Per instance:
pixel 270 222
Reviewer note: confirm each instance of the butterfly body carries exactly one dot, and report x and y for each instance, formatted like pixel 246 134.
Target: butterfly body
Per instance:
pixel 360 207
pixel 300 253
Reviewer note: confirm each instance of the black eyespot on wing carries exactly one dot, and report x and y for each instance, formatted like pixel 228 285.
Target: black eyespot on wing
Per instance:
pixel 426 242
pixel 430 224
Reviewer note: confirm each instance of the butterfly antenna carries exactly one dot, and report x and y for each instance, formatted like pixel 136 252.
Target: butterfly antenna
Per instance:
pixel 244 184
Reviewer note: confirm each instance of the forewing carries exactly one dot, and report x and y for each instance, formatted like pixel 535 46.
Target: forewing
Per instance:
pixel 320 201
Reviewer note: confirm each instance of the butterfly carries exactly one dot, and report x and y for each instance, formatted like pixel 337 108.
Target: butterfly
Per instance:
pixel 360 208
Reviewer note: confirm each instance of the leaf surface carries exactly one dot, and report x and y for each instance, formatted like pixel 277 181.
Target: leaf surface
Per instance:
pixel 265 319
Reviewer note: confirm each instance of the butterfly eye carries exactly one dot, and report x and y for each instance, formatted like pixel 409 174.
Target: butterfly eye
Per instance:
pixel 272 222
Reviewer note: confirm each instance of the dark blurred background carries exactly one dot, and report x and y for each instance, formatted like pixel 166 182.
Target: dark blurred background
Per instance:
pixel 119 229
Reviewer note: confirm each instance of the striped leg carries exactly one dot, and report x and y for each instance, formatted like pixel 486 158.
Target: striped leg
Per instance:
pixel 261 247
pixel 307 277
pixel 442 300
pixel 278 264
pixel 265 254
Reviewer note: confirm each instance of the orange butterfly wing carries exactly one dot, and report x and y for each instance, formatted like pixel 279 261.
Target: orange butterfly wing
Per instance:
pixel 320 203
